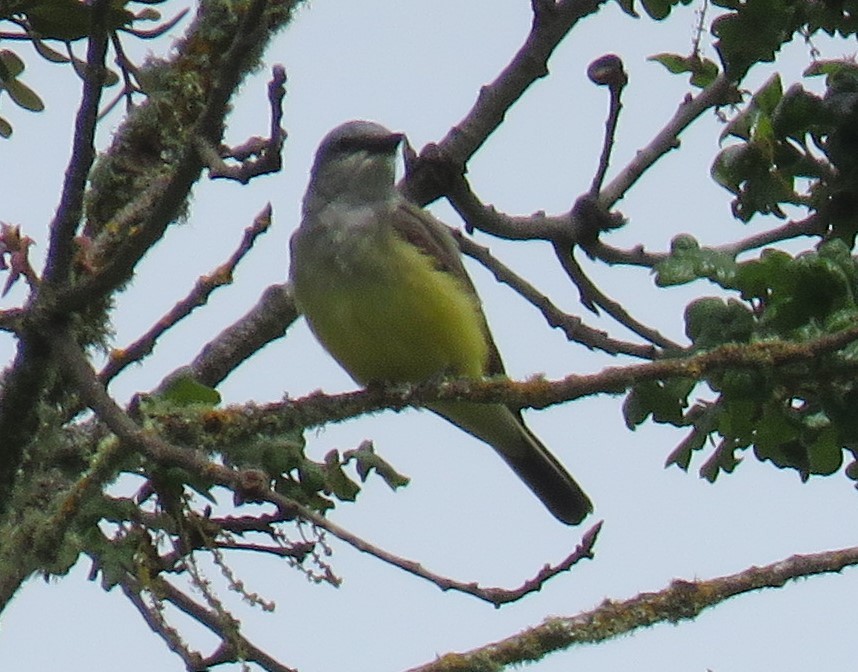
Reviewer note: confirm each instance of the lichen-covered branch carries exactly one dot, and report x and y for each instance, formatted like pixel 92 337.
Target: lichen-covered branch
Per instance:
pixel 680 601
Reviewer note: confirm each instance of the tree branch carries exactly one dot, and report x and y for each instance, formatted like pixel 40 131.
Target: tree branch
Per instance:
pixel 592 296
pixel 318 409
pixel 249 485
pixel 666 139
pixel 552 21
pixel 680 601
pixel 233 646
pixel 199 295
pixel 268 320
pixel 571 325
pixel 70 209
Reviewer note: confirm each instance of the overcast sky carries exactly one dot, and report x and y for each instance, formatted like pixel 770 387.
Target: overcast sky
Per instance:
pixel 417 67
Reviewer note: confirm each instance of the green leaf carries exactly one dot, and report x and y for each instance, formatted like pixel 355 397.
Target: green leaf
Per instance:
pixel 768 95
pixel 732 165
pixel 774 429
pixel 703 71
pixel 688 262
pixel 711 321
pixel 675 63
pixel 184 390
pixel 23 95
pixel 756 278
pixel 368 460
pixel 665 401
pixel 723 459
pixel 704 417
pixel 788 455
pixel 312 477
pixel 47 53
pixel 826 454
pixel 628 7
pixel 170 482
pixel 10 65
pixel 738 420
pixel 70 19
pixel 842 69
pixel 657 9
pixel 798 112
pixel 660 9
pixel 753 33
pixel 340 485
pixel 5 128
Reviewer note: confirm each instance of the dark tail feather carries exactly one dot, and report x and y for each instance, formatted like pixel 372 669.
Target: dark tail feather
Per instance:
pixel 549 480
pixel 505 431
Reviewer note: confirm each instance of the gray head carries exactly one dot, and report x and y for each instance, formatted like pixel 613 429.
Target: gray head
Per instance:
pixel 355 162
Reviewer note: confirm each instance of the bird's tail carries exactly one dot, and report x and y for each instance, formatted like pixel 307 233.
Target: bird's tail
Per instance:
pixel 534 464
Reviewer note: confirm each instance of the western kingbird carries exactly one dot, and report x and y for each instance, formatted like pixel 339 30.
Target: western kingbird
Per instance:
pixel 382 286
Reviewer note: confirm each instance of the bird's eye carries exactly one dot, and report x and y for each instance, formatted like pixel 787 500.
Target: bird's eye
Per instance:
pixel 346 145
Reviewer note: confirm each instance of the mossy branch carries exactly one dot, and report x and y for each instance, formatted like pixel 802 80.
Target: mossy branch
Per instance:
pixel 680 601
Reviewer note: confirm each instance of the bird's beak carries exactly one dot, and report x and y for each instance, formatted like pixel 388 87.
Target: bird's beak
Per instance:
pixel 385 144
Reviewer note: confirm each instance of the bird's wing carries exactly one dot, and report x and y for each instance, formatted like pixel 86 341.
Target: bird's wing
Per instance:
pixel 434 239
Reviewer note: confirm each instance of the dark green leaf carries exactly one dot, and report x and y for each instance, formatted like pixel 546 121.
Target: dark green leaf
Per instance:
pixel 340 485
pixel 368 460
pixel 10 65
pixel 723 459
pixel 711 321
pixel 826 454
pixel 688 262
pixel 657 9
pixel 23 95
pixel 665 401
pixel 675 63
pixel 47 53
pixel 628 6
pixel 798 113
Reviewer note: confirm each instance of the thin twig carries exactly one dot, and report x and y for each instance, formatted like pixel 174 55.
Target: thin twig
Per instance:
pixel 608 71
pixel 69 211
pixel 257 156
pixel 245 483
pixel 637 256
pixel 571 325
pixel 198 296
pixel 592 296
pixel 552 21
pixel 666 139
pixel 12 320
pixel 501 596
pixel 234 647
pixel 680 601
pixel 487 218
pixel 814 225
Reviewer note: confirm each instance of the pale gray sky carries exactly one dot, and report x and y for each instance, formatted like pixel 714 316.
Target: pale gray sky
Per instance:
pixel 416 67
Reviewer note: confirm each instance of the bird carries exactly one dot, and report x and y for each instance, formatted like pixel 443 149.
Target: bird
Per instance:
pixel 382 285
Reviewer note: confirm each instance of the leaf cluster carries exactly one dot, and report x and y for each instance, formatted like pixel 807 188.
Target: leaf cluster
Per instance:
pixel 753 32
pixel 277 456
pixel 799 416
pixel 797 148
pixel 62 22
